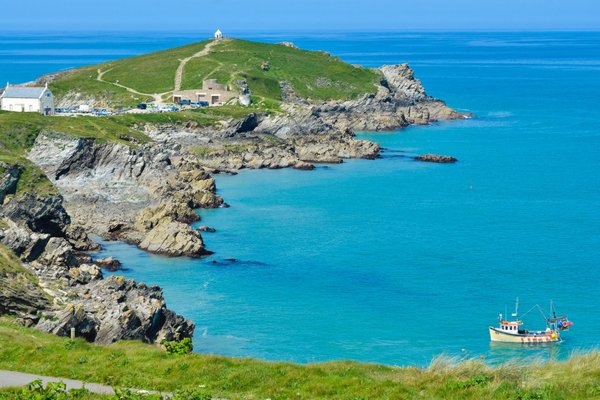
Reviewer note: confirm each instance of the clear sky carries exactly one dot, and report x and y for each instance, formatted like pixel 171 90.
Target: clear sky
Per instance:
pixel 311 15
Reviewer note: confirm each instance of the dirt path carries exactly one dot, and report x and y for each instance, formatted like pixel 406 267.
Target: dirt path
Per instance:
pixel 178 76
pixel 183 62
pixel 156 96
pixel 10 379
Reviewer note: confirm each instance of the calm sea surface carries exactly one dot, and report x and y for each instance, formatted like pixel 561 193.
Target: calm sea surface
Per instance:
pixel 392 260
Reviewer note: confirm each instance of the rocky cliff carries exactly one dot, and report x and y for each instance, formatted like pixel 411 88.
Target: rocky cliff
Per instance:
pixel 44 284
pixel 143 195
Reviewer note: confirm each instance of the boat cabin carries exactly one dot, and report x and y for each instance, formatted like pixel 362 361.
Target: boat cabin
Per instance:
pixel 511 326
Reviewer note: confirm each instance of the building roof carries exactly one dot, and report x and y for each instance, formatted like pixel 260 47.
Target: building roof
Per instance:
pixel 218 32
pixel 23 92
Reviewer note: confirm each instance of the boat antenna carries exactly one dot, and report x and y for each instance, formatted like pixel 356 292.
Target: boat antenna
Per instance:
pixel 517 309
pixel 552 309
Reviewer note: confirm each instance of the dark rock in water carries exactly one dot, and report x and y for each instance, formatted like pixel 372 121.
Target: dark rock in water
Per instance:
pixel 206 229
pixel 109 263
pixel 436 158
pixel 301 165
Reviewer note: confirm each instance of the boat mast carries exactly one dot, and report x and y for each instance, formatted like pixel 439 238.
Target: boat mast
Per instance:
pixel 517 309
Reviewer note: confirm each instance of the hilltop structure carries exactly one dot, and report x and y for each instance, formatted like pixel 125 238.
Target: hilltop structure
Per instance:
pixel 27 99
pixel 218 34
pixel 212 92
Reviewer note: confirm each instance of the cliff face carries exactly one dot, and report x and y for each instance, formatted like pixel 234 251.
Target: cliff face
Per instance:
pixel 43 283
pixel 107 186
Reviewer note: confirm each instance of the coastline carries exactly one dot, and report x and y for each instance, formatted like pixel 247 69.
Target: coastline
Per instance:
pixel 142 187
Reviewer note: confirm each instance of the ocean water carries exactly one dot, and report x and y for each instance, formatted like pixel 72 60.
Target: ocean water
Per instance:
pixel 392 260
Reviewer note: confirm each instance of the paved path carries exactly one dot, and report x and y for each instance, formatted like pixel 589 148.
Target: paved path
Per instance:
pixel 183 62
pixel 18 379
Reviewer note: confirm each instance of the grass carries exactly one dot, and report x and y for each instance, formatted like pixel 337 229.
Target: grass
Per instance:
pixel 313 74
pixel 150 73
pixel 133 364
pixel 83 80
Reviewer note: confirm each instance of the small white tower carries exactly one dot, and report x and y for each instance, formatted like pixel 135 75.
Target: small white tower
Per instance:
pixel 218 34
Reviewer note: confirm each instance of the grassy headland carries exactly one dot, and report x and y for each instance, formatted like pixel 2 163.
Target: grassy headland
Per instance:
pixel 312 74
pixel 133 364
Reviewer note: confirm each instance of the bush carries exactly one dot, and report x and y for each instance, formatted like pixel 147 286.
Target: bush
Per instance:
pixel 52 391
pixel 181 347
pixel 126 394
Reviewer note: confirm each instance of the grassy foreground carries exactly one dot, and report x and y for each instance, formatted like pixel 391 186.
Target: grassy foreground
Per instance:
pixel 132 364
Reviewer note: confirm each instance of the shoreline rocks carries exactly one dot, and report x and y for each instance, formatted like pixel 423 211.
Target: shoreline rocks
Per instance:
pixel 50 287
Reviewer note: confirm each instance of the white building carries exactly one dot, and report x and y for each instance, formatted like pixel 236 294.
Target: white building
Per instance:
pixel 218 34
pixel 27 99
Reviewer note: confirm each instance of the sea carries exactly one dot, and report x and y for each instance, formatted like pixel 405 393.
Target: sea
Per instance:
pixel 395 261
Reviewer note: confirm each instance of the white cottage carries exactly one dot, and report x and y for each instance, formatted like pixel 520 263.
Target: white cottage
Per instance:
pixel 218 34
pixel 27 99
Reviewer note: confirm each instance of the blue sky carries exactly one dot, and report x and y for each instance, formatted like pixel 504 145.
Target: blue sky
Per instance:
pixel 311 15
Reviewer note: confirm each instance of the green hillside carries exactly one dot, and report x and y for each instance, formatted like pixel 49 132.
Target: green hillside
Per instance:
pixel 150 73
pixel 133 364
pixel 312 74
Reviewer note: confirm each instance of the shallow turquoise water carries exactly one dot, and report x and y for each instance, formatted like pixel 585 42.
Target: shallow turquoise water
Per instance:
pixel 396 261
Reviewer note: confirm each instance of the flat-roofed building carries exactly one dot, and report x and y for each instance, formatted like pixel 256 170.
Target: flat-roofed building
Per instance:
pixel 212 92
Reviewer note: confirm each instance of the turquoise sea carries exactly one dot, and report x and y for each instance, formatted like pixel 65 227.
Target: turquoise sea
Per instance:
pixel 391 260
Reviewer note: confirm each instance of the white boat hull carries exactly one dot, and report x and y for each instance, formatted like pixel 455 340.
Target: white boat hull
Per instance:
pixel 496 335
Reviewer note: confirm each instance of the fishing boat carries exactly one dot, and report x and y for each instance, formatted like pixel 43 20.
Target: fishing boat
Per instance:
pixel 514 332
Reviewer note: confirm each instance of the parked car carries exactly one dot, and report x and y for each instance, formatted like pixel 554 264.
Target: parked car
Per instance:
pixel 142 106
pixel 199 104
pixel 101 113
pixel 184 102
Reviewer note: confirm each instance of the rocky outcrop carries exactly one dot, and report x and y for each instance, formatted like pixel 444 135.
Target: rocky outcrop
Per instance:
pixel 107 310
pixel 135 187
pixel 9 176
pixel 174 239
pixel 400 100
pixel 436 158
pixel 298 151
pixel 45 285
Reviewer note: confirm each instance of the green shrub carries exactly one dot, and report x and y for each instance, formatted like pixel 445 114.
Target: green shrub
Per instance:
pixel 52 391
pixel 181 347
